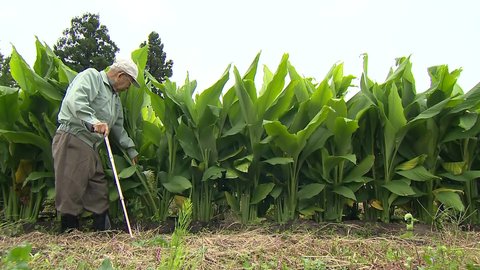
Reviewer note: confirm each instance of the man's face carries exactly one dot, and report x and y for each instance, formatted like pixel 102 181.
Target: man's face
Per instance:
pixel 122 82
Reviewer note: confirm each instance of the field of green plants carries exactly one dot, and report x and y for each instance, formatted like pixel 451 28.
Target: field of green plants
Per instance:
pixel 290 148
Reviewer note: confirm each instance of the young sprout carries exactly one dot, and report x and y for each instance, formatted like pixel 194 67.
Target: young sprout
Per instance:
pixel 410 220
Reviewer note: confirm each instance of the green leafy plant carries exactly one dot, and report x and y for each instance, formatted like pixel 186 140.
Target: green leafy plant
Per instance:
pixel 174 257
pixel 410 221
pixel 17 258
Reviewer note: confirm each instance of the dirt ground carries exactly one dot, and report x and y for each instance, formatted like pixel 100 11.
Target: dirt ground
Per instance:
pixel 298 245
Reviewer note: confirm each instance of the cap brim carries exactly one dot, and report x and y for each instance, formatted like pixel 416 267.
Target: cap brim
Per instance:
pixel 135 83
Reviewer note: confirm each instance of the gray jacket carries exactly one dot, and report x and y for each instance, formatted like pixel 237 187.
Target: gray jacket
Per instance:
pixel 90 98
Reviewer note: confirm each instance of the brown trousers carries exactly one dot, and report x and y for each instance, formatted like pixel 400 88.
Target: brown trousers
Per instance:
pixel 79 177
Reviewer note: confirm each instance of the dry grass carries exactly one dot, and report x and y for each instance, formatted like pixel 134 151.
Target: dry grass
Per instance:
pixel 323 246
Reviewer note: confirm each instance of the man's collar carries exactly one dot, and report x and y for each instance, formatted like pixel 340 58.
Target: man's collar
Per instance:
pixel 107 82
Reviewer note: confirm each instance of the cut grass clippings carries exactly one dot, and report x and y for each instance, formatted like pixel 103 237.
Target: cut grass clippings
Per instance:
pixel 323 246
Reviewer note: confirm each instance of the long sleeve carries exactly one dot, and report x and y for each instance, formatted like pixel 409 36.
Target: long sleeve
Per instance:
pixel 120 134
pixel 78 99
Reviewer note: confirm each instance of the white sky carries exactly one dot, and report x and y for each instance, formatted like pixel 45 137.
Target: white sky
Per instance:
pixel 203 37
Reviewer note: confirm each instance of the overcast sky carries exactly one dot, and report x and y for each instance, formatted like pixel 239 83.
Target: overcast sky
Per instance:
pixel 203 37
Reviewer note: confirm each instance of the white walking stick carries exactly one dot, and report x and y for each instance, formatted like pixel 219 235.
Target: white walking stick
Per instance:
pixel 110 155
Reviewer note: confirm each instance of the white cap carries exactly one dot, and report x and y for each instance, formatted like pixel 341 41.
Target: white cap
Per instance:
pixel 127 66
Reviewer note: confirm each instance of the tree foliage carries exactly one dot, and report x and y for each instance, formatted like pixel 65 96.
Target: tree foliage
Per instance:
pixel 86 44
pixel 157 63
pixel 5 75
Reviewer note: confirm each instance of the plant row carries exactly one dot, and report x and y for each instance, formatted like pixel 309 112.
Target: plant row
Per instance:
pixel 291 148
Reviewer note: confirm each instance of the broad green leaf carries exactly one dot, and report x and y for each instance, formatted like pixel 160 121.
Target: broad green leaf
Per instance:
pixel 320 97
pixel 243 164
pixel 454 168
pixel 355 186
pixel 232 202
pixel 9 108
pixel 243 167
pixel 157 103
pixel 286 141
pixel 310 210
pixel 140 57
pixel 152 133
pixel 402 201
pixel 333 161
pixel 301 92
pixel 207 136
pixel 316 141
pixel 177 184
pixel 468 120
pixel 127 172
pixel 310 190
pixel 396 114
pixel 360 170
pixel 211 95
pixel 20 253
pixel 106 265
pixel 267 78
pixel 231 174
pixel 36 176
pixel 450 199
pixel 392 198
pixel 412 163
pixel 345 192
pixel 43 65
pixel 213 172
pixel 472 98
pixel 229 155
pixel 39 175
pixel 430 112
pixel 133 103
pixel 65 73
pixel 50 125
pixel 187 140
pixel 125 185
pixel 281 104
pixel 390 136
pixel 376 204
pixel 464 177
pixel 261 192
pixel 418 174
pixel 129 184
pixel 27 138
pixel 344 128
pixel 399 187
pixel 246 103
pixel 293 144
pixel 51 193
pixel 304 134
pixel 277 190
pixel 279 160
pixel 252 70
pixel 339 107
pixel 39 127
pixel 239 127
pixel 273 88
pixel 457 133
pixel 31 82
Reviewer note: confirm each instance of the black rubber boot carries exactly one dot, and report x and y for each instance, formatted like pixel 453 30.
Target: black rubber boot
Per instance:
pixel 68 223
pixel 101 222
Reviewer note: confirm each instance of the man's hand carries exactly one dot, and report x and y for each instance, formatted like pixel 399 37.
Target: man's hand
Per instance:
pixel 101 128
pixel 135 160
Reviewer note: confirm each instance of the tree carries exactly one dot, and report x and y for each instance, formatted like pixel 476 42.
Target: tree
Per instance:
pixel 5 75
pixel 86 44
pixel 156 60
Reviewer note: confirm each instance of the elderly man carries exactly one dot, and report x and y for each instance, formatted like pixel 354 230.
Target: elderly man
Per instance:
pixel 91 109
